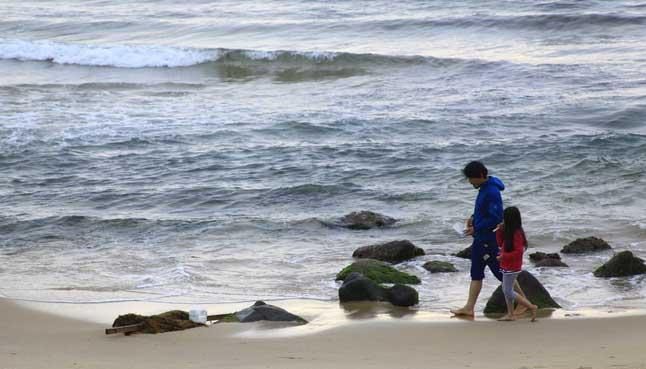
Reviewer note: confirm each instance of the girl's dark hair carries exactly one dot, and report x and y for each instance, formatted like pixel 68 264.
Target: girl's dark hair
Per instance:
pixel 475 169
pixel 513 223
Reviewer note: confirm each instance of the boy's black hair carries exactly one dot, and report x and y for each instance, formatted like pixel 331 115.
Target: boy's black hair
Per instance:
pixel 475 169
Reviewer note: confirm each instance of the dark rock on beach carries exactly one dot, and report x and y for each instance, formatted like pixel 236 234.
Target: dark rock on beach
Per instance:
pixel 377 271
pixel 402 295
pixel 534 290
pixel 547 260
pixel 262 311
pixel 359 288
pixel 174 320
pixel 465 254
pixel 621 265
pixel 584 245
pixel 435 266
pixel 366 220
pixel 393 252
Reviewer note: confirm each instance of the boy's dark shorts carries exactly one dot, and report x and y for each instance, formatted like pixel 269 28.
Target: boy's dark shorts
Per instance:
pixel 483 253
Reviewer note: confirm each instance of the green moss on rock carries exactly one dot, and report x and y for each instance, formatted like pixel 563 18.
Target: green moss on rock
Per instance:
pixel 436 266
pixel 174 320
pixel 377 271
pixel 231 318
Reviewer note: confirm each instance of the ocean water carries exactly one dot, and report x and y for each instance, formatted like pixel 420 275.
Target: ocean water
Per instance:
pixel 194 151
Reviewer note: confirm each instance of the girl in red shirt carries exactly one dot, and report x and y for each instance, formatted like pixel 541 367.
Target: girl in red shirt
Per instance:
pixel 512 242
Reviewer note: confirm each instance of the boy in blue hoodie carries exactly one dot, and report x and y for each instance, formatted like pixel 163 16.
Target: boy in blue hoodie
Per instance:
pixel 487 214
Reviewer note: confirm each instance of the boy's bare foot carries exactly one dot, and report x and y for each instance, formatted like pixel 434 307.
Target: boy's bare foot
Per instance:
pixel 507 318
pixel 533 309
pixel 462 312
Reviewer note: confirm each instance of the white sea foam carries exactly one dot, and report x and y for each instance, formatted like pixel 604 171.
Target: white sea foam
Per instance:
pixel 273 55
pixel 135 56
pixel 123 56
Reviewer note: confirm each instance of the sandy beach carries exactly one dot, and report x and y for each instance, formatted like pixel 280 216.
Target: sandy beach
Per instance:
pixel 33 339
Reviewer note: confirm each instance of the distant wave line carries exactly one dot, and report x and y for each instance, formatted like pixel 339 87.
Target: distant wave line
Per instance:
pixel 154 56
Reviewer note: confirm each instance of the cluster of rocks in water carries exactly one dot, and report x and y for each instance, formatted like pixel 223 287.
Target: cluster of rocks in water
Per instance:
pixel 363 279
pixel 622 264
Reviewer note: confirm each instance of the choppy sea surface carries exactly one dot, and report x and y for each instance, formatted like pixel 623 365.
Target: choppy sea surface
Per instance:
pixel 195 151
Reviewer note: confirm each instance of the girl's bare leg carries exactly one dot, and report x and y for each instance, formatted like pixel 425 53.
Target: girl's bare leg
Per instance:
pixel 520 309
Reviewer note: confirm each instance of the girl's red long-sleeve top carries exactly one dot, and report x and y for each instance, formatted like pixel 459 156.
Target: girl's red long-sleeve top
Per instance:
pixel 511 261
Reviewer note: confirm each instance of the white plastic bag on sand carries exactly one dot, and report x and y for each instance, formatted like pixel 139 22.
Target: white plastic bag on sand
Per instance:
pixel 197 316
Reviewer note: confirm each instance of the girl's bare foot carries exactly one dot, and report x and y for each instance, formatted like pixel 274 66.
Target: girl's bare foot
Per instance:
pixel 533 310
pixel 507 318
pixel 520 310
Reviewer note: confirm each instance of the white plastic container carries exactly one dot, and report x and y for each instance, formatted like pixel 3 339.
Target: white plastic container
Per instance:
pixel 197 316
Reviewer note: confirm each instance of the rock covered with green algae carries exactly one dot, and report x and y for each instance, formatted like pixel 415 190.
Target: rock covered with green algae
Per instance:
pixel 621 265
pixel 174 320
pixel 436 266
pixel 377 271
pixel 534 290
pixel 392 252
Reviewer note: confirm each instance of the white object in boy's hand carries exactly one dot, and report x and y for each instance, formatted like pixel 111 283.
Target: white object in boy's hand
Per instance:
pixel 459 228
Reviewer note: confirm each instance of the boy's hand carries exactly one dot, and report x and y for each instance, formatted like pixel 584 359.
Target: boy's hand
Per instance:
pixel 498 257
pixel 469 231
pixel 470 222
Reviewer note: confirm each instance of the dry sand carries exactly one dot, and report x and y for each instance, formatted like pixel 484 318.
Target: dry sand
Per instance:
pixel 32 339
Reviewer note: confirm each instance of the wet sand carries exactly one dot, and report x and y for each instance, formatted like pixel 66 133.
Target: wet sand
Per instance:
pixel 36 339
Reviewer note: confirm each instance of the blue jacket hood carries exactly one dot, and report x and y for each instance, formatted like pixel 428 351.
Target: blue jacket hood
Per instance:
pixel 494 181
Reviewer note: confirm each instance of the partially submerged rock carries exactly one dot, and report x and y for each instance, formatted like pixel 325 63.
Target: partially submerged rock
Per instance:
pixel 357 287
pixel 547 260
pixel 377 271
pixel 262 311
pixel 174 320
pixel 585 245
pixel 465 254
pixel 538 256
pixel 393 252
pixel 551 263
pixel 402 295
pixel 534 290
pixel 621 265
pixel 366 220
pixel 435 266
